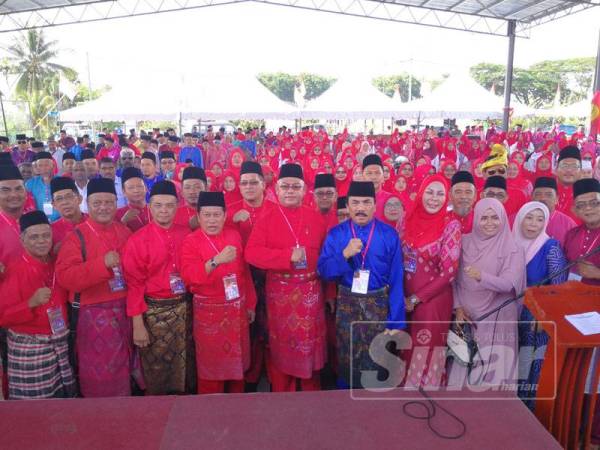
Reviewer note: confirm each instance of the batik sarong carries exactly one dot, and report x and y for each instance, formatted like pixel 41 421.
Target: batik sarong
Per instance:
pixel 355 339
pixel 105 353
pixel 296 323
pixel 168 362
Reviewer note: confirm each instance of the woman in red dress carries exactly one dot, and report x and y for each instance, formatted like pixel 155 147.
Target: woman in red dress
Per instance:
pixel 431 251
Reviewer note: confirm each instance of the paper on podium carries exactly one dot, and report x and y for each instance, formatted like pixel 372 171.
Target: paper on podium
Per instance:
pixel 587 323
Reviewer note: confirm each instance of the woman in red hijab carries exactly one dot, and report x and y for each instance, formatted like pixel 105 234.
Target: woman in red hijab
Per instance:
pixel 389 176
pixel 431 248
pixel 342 180
pixel 236 159
pixel 421 172
pixel 211 182
pixel 270 179
pixel 448 169
pixel 230 187
pixel 543 166
pixel 516 179
pixel 217 169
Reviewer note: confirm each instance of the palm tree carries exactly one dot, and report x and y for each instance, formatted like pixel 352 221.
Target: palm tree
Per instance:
pixel 32 58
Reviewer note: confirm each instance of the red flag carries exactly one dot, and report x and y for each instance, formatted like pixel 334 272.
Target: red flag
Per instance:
pixel 595 115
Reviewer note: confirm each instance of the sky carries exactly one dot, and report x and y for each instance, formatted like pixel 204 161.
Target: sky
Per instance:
pixel 250 38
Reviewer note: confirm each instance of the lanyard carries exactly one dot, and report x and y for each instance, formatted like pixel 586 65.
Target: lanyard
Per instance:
pixel 290 225
pixel 13 226
pixel 210 242
pixel 366 249
pixel 103 241
pixel 40 275
pixel 593 243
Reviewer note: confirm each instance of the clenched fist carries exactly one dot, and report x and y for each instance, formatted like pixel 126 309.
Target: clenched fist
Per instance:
pixel 41 297
pixel 227 255
pixel 353 248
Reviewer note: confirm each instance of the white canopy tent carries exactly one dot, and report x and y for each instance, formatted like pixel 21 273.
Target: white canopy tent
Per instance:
pixel 233 98
pixel 460 97
pixel 187 97
pixel 351 99
pixel 582 108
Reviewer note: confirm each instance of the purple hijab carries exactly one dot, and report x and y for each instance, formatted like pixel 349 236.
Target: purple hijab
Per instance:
pixel 500 260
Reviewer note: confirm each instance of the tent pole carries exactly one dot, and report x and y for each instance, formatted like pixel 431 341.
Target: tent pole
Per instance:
pixel 596 84
pixel 512 26
pixel 3 115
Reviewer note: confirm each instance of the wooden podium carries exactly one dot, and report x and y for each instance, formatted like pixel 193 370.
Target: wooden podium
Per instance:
pixel 567 360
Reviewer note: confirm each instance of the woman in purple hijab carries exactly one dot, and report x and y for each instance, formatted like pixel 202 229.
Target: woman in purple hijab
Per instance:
pixel 492 270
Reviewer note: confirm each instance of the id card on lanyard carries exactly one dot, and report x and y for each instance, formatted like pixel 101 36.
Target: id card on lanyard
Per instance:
pixel 230 284
pixel 117 283
pixel 55 314
pixel 360 280
pixel 302 263
pixel 410 260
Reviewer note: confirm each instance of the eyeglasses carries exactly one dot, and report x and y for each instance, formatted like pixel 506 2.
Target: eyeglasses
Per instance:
pixel 325 194
pixel 21 142
pixel 568 166
pixel 496 171
pixel 249 183
pixel 126 157
pixel 393 206
pixel 291 187
pixel 64 198
pixel 584 205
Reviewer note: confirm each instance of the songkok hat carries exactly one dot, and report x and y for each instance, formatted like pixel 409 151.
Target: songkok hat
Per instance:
pixel 193 173
pixel 87 154
pixel 342 202
pixel 10 172
pixel 291 170
pixel 211 199
pixel 101 185
pixel 68 155
pixel 585 185
pixel 62 183
pixel 149 155
pixel 163 187
pixel 42 155
pixel 130 172
pixel 37 144
pixel 462 176
pixel 570 151
pixel 4 139
pixel 324 180
pixel 109 138
pixel 146 137
pixel 166 154
pixel 173 139
pixel 32 218
pixel 6 159
pixel 371 160
pixel 251 167
pixel 361 189
pixel 546 182
pixel 496 182
pixel 498 157
pixel 21 137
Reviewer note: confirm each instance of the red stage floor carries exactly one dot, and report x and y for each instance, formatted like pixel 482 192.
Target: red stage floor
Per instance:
pixel 311 420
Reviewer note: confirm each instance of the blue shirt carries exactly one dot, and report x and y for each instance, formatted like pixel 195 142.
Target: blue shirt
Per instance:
pixel 76 150
pixel 383 260
pixel 192 153
pixel 149 182
pixel 41 194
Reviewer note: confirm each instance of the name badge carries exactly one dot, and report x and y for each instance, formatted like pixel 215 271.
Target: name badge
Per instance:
pixel 230 284
pixel 177 284
pixel 118 282
pixel 57 321
pixel 574 277
pixel 302 263
pixel 48 209
pixel 360 282
pixel 410 261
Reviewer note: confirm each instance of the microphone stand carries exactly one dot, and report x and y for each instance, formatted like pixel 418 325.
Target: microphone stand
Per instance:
pixel 541 283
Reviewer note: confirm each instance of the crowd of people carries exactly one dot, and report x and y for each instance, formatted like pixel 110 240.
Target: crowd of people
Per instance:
pixel 150 263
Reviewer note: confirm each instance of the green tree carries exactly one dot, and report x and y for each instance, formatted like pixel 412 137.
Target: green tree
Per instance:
pixel 33 59
pixel 388 84
pixel 536 86
pixel 283 84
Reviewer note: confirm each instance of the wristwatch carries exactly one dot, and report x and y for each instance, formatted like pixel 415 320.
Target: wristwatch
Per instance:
pixel 414 300
pixel 213 263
